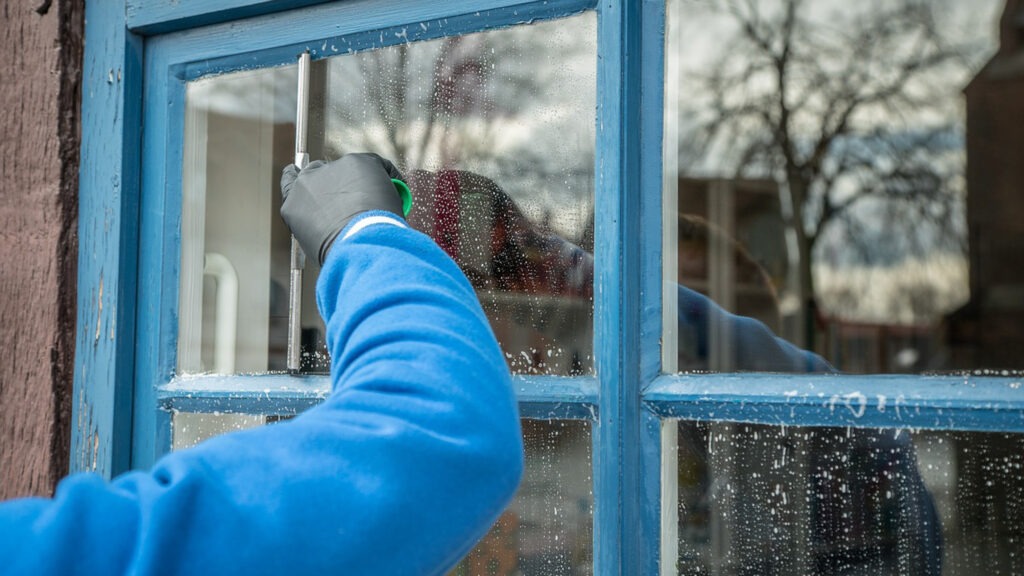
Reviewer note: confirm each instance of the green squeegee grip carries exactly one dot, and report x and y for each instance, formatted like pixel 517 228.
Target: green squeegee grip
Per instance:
pixel 406 195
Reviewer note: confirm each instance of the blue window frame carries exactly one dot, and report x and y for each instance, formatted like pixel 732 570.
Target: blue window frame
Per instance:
pixel 140 54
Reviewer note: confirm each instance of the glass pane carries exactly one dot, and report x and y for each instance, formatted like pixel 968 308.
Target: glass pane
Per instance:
pixel 548 528
pixel 239 134
pixel 848 175
pixel 190 428
pixel 494 132
pixel 765 500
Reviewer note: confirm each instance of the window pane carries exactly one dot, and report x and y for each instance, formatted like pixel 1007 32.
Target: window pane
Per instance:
pixel 756 499
pixel 238 136
pixel 495 134
pixel 848 174
pixel 548 528
pixel 191 428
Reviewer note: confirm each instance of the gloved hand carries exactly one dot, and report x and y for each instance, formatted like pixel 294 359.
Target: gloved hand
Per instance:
pixel 320 199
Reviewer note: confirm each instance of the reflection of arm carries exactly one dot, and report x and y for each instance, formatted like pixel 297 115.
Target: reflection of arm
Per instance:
pixel 399 471
pixel 881 487
pixel 881 461
pixel 905 533
pixel 753 346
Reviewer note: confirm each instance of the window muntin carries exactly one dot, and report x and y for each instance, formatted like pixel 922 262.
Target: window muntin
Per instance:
pixel 495 133
pixel 839 209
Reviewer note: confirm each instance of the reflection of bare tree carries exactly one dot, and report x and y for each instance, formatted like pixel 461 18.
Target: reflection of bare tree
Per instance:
pixel 457 91
pixel 853 108
pixel 453 95
pixel 514 104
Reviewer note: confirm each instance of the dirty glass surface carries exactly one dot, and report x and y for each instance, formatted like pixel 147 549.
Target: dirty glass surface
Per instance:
pixel 191 428
pixel 494 132
pixel 848 174
pixel 547 530
pixel 755 499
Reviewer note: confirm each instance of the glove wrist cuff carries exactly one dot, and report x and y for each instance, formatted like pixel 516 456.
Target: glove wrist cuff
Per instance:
pixel 352 224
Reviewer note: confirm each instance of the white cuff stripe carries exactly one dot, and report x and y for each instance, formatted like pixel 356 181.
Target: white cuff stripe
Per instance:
pixel 370 221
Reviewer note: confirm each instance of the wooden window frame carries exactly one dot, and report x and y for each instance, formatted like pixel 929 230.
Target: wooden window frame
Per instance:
pixel 140 54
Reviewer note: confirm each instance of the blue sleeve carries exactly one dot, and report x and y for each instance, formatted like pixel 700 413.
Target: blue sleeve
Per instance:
pixel 399 471
pixel 750 346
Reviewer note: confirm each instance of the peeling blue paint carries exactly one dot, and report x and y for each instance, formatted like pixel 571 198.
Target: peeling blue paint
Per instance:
pixel 111 116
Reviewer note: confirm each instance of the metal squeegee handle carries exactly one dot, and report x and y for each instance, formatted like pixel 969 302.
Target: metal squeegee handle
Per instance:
pixel 298 258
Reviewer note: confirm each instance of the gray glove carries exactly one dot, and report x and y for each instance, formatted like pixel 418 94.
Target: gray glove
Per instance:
pixel 321 199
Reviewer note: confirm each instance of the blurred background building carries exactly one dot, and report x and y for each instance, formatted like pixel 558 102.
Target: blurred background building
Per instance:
pixel 987 330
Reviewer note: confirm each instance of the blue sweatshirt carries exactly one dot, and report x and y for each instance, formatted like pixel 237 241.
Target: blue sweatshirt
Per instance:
pixel 400 471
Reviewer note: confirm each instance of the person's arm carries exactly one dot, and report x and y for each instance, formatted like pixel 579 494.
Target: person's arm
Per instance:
pixel 399 471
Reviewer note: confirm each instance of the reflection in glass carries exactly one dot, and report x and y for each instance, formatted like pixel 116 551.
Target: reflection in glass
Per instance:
pixel 191 428
pixel 237 139
pixel 495 134
pixel 764 500
pixel 548 528
pixel 831 184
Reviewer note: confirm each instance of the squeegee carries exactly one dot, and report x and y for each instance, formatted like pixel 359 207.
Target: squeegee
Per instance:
pixel 298 257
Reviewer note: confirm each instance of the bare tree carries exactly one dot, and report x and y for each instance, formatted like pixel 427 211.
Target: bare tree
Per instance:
pixel 852 107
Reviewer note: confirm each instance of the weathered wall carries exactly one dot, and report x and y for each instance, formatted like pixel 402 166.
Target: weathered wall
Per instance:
pixel 40 74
